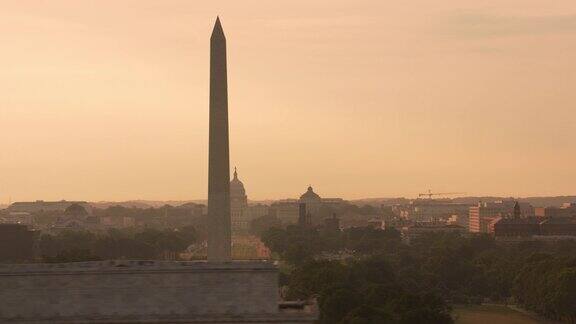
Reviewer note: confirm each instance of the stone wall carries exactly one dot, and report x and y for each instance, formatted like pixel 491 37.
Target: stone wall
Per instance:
pixel 141 291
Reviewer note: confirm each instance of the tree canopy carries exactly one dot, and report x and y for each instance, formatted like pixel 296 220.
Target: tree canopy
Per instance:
pixel 366 275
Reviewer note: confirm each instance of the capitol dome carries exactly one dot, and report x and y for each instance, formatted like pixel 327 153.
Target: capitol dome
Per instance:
pixel 310 195
pixel 236 186
pixel 75 210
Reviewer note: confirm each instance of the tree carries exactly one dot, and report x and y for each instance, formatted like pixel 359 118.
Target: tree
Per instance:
pixel 336 302
pixel 563 298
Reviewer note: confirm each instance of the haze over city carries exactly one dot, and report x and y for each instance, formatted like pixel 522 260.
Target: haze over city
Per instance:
pixel 108 100
pixel 326 162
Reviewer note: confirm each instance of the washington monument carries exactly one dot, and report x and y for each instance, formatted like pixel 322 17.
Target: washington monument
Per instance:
pixel 219 233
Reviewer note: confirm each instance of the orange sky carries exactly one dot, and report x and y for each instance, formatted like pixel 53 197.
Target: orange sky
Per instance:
pixel 108 99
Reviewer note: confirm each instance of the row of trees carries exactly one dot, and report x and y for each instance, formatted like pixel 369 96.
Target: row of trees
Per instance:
pixel 297 245
pixel 378 278
pixel 70 246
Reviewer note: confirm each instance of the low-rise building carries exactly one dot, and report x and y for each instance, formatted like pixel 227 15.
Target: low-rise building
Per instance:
pixel 288 210
pixel 566 210
pixel 23 218
pixel 460 220
pixel 435 209
pixel 535 228
pixel 556 226
pixel 517 227
pixel 46 206
pixel 483 216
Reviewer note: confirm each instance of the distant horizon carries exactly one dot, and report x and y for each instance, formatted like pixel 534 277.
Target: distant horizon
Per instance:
pixel 278 199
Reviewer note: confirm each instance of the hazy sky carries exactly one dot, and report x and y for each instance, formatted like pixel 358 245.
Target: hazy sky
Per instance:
pixel 108 99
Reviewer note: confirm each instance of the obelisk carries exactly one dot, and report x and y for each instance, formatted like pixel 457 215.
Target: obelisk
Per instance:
pixel 219 233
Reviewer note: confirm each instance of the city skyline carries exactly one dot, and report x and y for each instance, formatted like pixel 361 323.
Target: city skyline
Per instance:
pixel 448 97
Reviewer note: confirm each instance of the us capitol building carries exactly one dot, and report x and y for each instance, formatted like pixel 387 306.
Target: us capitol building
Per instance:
pixel 241 213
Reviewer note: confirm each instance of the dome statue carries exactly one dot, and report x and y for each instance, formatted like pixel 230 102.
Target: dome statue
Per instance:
pixel 237 187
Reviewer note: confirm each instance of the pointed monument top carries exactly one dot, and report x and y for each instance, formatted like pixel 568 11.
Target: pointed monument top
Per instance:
pixel 235 173
pixel 218 31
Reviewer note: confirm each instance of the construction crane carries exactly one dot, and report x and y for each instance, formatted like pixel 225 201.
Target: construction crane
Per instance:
pixel 430 194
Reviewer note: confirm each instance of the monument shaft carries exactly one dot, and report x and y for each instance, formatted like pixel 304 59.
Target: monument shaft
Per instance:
pixel 219 232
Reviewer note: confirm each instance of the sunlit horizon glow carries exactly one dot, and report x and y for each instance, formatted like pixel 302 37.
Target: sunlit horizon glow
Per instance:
pixel 108 100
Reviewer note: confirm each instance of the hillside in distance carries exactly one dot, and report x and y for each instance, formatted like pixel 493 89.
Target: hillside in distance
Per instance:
pixel 544 201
